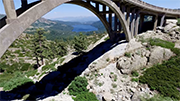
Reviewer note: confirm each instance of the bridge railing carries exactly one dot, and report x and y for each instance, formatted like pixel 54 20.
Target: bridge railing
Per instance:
pixel 155 7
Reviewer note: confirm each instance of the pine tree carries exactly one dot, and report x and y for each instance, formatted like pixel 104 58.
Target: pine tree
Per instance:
pixel 61 48
pixel 80 43
pixel 39 46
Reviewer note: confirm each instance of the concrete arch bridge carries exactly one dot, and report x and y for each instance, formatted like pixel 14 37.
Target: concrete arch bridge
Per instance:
pixel 126 15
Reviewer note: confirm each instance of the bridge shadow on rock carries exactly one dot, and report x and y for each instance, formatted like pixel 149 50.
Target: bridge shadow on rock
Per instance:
pixel 55 82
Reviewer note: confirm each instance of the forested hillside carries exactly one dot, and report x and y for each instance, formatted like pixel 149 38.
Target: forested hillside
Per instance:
pixel 58 30
pixel 26 54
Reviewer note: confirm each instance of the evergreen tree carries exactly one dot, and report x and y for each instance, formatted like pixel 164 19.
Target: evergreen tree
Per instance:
pixel 39 46
pixel 80 43
pixel 61 48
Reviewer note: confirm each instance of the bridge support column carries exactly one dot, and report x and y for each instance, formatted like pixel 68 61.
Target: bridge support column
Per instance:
pixel 119 27
pixel 132 23
pixel 24 4
pixel 128 16
pixel 155 22
pixel 162 20
pixel 123 10
pixel 137 23
pixel 104 10
pixel 110 21
pixel 97 6
pixel 141 22
pixel 10 10
pixel 115 23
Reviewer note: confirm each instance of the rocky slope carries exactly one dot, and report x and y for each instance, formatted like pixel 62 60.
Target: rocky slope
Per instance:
pixel 109 76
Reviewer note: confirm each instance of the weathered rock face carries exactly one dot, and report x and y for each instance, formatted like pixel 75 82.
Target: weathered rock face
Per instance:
pixel 135 97
pixel 158 54
pixel 107 96
pixel 132 45
pixel 137 60
pixel 1 89
pixel 126 65
pixel 168 27
pixel 177 45
pixel 141 58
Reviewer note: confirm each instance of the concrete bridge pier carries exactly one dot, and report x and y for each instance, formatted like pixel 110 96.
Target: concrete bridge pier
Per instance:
pixel 123 8
pixel 110 21
pixel 115 22
pixel 118 22
pixel 132 23
pixel 10 11
pixel 128 16
pixel 162 20
pixel 137 22
pixel 141 22
pixel 104 10
pixel 24 4
pixel 155 19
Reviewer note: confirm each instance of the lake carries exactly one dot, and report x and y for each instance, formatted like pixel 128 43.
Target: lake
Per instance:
pixel 83 28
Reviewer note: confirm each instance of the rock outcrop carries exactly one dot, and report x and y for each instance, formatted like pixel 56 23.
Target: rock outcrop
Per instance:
pixel 141 57
pixel 158 54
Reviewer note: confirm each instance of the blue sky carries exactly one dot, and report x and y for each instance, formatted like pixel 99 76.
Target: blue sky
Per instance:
pixel 69 10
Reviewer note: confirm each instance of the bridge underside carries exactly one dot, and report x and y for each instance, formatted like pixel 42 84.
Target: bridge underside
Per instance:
pixel 118 16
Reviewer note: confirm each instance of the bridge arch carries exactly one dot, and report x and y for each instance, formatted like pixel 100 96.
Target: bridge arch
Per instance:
pixel 15 27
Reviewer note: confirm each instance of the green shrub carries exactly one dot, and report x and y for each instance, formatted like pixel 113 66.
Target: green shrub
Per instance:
pixel 3 65
pixel 47 67
pixel 107 59
pixel 107 38
pixel 31 73
pixel 16 67
pixel 78 86
pixel 21 55
pixel 142 39
pixel 176 51
pixel 26 67
pixel 158 98
pixel 15 82
pixel 115 77
pixel 86 96
pixel 12 68
pixel 97 83
pixel 127 54
pixel 178 22
pixel 135 73
pixel 134 79
pixel 162 43
pixel 164 78
pixel 18 79
pixel 114 85
pixel 5 77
